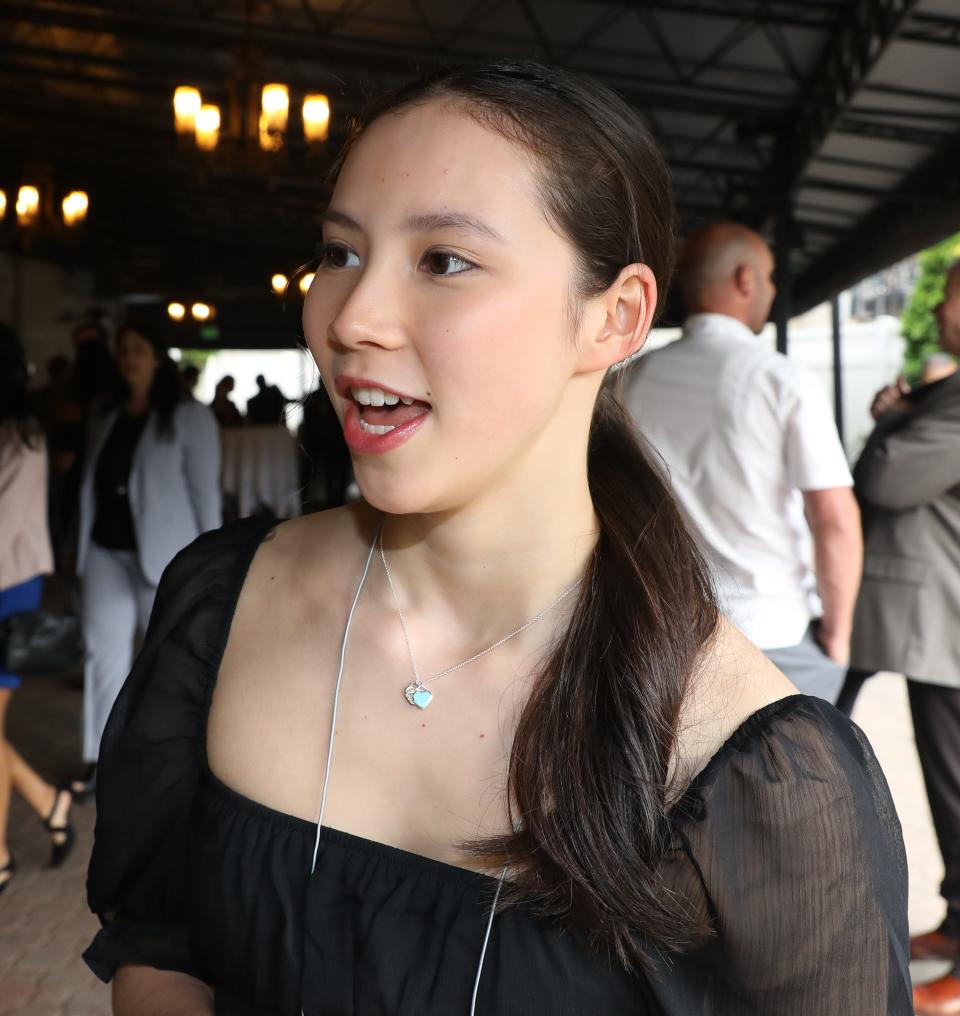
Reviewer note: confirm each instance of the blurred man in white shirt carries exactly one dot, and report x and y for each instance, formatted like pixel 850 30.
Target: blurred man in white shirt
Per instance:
pixel 754 457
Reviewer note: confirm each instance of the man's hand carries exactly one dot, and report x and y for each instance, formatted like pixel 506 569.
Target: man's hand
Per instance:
pixel 837 647
pixel 891 398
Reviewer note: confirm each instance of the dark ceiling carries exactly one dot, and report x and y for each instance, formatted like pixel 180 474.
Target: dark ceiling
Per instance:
pixel 834 125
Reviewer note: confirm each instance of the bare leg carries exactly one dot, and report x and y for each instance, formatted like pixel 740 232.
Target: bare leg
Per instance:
pixel 6 781
pixel 40 795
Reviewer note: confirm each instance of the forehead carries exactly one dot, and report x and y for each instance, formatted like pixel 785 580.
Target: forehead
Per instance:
pixel 434 157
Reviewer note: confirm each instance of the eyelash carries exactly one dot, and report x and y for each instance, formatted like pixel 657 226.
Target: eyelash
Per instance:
pixel 327 249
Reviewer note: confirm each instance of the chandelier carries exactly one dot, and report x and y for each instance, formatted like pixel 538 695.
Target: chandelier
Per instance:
pixel 203 120
pixel 31 206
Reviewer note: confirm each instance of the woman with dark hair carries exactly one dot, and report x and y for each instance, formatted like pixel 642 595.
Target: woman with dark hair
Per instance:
pixel 25 557
pixel 151 485
pixel 481 744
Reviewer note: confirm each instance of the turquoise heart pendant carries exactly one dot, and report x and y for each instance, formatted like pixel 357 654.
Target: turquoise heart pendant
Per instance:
pixel 418 696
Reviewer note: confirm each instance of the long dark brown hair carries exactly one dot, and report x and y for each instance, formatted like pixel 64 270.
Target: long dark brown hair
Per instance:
pixel 589 778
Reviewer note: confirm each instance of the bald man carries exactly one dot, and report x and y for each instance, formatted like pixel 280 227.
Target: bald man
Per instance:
pixel 752 450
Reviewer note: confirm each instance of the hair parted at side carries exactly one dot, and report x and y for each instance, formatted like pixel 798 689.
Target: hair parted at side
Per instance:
pixel 589 777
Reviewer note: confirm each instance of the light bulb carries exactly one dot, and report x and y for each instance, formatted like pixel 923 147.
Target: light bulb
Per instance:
pixel 186 105
pixel 28 204
pixel 75 206
pixel 177 311
pixel 279 283
pixel 208 127
pixel 316 117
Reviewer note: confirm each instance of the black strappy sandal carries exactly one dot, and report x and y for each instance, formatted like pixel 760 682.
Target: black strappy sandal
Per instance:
pixel 9 869
pixel 62 836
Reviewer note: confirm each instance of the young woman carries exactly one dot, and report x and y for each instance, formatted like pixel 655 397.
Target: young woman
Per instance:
pixel 481 744
pixel 25 557
pixel 151 485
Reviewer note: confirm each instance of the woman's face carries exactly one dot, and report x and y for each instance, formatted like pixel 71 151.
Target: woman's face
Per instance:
pixel 137 360
pixel 442 282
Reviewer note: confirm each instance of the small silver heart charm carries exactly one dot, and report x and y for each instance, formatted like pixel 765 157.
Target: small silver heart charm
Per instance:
pixel 417 695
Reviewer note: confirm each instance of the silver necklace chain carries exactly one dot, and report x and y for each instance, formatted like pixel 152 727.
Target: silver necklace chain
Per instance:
pixel 416 693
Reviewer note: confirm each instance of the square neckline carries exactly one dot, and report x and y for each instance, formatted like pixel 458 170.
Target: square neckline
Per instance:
pixel 684 807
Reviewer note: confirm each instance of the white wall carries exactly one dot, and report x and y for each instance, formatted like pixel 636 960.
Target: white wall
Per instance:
pixel 291 370
pixel 43 301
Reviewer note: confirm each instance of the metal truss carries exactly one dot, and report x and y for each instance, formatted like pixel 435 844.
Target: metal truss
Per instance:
pixel 925 207
pixel 854 50
pixel 741 135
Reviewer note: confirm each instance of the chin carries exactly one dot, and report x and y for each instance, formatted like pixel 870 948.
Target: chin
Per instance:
pixel 398 491
pixel 393 492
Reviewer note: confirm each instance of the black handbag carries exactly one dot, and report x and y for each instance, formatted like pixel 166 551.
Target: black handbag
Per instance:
pixel 38 640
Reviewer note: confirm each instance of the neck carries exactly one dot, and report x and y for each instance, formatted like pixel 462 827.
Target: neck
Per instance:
pixel 138 401
pixel 487 567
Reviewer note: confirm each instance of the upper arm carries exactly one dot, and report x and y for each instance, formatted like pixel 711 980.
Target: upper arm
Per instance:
pixel 796 854
pixel 914 463
pixel 150 768
pixel 813 455
pixel 202 463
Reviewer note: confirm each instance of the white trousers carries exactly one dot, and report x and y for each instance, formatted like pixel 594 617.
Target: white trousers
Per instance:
pixel 117 601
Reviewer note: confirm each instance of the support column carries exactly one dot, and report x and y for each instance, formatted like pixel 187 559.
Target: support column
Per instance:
pixel 782 248
pixel 837 365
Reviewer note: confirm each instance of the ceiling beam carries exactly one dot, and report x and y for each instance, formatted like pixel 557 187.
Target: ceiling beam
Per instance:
pixel 923 209
pixel 852 52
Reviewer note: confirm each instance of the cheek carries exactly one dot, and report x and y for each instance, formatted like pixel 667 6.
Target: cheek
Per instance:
pixel 498 361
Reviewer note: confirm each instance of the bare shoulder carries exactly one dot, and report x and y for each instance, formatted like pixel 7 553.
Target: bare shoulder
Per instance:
pixel 733 680
pixel 302 569
pixel 324 545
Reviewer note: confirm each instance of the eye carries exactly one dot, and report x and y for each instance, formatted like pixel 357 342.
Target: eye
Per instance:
pixel 336 255
pixel 442 262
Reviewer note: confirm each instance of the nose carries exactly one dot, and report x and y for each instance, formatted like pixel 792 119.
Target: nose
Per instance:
pixel 371 313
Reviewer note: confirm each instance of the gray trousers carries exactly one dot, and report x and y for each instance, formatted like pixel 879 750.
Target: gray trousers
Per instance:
pixel 809 667
pixel 117 601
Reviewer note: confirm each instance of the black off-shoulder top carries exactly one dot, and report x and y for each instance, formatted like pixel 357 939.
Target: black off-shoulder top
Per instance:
pixel 787 840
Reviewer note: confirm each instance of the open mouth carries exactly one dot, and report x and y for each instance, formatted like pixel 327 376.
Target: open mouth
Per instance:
pixel 382 411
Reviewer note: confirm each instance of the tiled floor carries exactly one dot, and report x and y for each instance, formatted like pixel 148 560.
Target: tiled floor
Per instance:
pixel 44 924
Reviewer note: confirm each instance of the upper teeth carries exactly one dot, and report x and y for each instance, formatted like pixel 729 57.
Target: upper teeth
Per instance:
pixel 378 397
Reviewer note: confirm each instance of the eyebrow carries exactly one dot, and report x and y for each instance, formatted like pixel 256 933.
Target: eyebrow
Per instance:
pixel 423 222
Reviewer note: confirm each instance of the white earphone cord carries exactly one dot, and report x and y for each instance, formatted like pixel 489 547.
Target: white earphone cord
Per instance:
pixel 326 778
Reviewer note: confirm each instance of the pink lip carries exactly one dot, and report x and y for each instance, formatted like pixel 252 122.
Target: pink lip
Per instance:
pixel 376 444
pixel 359 440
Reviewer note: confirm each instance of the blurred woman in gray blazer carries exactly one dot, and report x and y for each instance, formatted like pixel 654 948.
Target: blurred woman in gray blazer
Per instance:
pixel 151 485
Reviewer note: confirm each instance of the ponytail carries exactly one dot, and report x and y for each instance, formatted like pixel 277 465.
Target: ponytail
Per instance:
pixel 589 771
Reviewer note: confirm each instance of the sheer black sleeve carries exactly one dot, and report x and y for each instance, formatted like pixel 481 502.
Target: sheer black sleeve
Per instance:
pixel 151 758
pixel 791 847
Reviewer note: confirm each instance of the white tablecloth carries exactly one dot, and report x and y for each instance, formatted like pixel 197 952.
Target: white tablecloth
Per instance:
pixel 260 469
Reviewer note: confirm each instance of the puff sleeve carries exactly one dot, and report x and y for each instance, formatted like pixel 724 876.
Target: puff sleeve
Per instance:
pixel 791 847
pixel 151 760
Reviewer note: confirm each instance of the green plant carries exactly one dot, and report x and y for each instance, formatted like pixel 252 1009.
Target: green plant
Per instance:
pixel 919 325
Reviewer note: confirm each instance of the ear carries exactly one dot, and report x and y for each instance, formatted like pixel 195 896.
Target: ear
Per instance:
pixel 616 323
pixel 744 280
